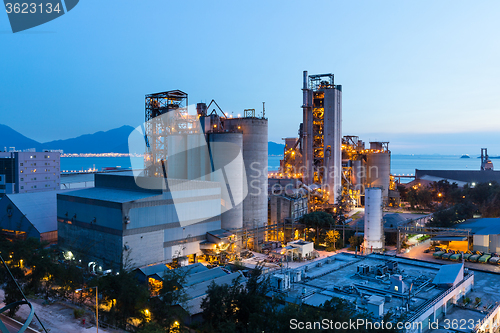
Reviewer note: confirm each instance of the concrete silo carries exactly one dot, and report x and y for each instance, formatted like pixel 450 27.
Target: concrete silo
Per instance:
pixel 374 224
pixel 225 150
pixel 378 167
pixel 255 156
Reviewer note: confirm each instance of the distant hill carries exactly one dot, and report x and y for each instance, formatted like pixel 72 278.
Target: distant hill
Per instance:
pixel 11 138
pixel 112 141
pixel 275 148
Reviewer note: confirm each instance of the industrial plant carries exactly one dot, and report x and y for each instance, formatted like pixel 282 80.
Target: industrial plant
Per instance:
pixel 326 163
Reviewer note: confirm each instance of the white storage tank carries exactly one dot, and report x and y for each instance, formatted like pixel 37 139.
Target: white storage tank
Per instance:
pixel 226 159
pixel 374 223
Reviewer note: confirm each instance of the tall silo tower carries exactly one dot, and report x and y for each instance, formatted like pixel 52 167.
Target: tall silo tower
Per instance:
pixel 255 150
pixel 374 224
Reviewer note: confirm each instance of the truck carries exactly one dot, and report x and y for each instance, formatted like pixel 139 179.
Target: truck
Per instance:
pixel 438 254
pixel 494 260
pixel 447 256
pixel 467 255
pixel 475 257
pixel 484 258
pixel 457 256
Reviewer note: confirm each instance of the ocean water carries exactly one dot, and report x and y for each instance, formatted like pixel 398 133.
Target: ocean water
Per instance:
pixel 400 164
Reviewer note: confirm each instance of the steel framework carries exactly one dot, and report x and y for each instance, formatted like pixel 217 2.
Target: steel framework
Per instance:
pixel 157 128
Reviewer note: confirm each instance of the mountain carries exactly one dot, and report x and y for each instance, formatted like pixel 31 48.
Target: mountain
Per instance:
pixel 275 148
pixel 11 138
pixel 112 141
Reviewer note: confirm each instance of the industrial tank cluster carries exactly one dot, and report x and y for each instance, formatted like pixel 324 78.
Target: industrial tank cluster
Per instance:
pixel 211 146
pixel 324 162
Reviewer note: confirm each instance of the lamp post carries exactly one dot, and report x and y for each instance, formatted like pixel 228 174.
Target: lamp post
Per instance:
pixel 96 304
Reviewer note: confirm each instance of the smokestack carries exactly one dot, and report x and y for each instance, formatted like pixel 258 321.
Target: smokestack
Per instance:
pixel 305 80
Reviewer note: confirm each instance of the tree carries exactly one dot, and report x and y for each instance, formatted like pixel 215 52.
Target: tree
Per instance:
pixel 331 238
pixel 127 298
pixel 355 242
pixel 172 293
pixel 317 220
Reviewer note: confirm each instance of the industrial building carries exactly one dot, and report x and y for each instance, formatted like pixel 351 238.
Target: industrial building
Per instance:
pixel 211 146
pixel 324 161
pixel 25 172
pixel 25 215
pixel 485 174
pixel 315 156
pixel 423 292
pixel 118 221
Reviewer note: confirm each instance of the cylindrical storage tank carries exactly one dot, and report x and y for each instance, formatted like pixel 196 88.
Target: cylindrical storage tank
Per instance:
pixel 176 164
pixel 226 158
pixel 374 224
pixel 378 169
pixel 358 175
pixel 255 157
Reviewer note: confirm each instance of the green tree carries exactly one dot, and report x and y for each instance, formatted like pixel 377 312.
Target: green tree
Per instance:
pixel 355 242
pixel 127 298
pixel 172 293
pixel 332 236
pixel 318 221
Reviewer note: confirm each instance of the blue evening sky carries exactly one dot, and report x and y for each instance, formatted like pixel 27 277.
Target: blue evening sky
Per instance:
pixel 424 75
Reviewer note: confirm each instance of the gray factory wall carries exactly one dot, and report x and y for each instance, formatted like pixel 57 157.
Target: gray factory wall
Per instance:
pixel 481 243
pixel 95 244
pixel 16 222
pixel 106 214
pixel 487 243
pixel 144 248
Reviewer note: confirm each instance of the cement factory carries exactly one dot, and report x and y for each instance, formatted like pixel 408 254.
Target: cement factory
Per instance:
pixel 204 197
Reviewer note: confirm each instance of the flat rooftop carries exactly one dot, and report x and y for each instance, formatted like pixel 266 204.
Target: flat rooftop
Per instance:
pixel 338 276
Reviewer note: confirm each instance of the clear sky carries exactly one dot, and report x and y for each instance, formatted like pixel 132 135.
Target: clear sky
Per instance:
pixel 424 75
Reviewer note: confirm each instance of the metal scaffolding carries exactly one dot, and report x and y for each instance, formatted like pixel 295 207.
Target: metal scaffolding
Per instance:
pixel 157 128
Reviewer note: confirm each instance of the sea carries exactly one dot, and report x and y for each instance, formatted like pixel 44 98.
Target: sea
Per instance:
pixel 400 164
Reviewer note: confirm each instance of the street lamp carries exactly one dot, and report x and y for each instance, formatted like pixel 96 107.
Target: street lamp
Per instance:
pixel 96 304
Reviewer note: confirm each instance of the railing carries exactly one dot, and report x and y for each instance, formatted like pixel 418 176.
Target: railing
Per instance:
pixel 486 318
pixel 439 298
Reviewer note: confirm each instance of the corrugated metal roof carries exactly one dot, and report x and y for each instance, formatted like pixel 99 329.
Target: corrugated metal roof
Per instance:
pixel 40 208
pixel 200 289
pixel 112 195
pixel 204 276
pixel 484 226
pixel 154 269
pixel 316 299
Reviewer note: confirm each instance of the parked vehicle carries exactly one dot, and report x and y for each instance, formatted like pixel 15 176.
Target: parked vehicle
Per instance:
pixel 438 254
pixel 446 256
pixel 457 256
pixel 494 260
pixel 484 258
pixel 475 257
pixel 467 255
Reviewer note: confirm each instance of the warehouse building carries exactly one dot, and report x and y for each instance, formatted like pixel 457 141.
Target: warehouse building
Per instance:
pixel 25 215
pixel 422 292
pixel 117 222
